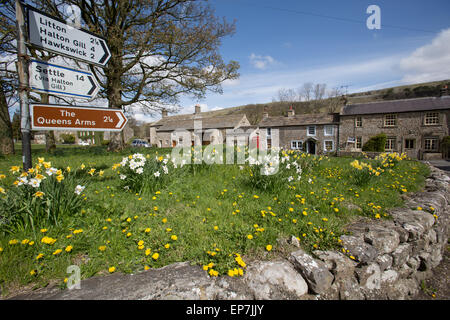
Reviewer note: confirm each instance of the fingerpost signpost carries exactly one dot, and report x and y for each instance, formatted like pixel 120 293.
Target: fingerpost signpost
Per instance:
pixel 48 33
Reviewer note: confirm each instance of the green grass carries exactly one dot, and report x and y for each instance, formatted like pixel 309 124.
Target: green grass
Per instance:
pixel 315 210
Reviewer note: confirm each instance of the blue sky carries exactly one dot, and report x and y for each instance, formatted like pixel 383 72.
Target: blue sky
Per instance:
pixel 283 44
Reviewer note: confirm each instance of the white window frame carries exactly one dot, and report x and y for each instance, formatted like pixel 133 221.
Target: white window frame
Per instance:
pixel 296 143
pixel 393 144
pixel 325 143
pixel 307 131
pixel 325 130
pixel 358 120
pixel 360 142
pixel 392 117
pixel 436 143
pixel 409 147
pixel 269 132
pixel 431 116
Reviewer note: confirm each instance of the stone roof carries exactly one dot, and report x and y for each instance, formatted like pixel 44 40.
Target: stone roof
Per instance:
pixel 187 122
pixel 299 120
pixel 404 105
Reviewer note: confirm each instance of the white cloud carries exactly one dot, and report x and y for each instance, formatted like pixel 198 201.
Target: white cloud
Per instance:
pixel 430 62
pixel 261 62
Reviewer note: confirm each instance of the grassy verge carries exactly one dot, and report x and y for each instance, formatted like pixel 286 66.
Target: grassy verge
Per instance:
pixel 214 218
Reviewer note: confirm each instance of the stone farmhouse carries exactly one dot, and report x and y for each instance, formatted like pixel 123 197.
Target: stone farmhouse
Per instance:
pixel 185 130
pixel 312 133
pixel 414 126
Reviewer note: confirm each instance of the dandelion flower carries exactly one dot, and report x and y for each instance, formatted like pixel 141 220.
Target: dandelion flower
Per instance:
pixel 269 247
pixel 112 269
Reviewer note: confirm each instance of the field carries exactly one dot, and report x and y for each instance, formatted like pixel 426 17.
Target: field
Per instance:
pixel 220 217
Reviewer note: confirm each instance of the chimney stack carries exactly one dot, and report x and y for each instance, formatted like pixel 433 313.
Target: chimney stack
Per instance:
pixel 198 109
pixel 164 113
pixel 291 112
pixel 444 91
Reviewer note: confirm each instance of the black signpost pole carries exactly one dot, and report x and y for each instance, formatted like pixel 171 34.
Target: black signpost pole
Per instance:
pixel 22 70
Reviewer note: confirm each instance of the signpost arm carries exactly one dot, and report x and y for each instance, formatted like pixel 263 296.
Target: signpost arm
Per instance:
pixel 22 70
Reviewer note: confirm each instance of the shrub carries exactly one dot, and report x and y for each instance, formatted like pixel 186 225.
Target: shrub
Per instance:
pixel 105 142
pixel 376 143
pixel 67 138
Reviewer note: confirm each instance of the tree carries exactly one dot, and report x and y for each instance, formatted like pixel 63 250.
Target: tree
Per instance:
pixel 287 95
pixel 319 94
pixel 6 133
pixel 305 91
pixel 7 36
pixel 8 51
pixel 160 49
pixel 335 99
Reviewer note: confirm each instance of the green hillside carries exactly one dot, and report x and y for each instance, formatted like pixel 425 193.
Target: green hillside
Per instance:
pixel 254 112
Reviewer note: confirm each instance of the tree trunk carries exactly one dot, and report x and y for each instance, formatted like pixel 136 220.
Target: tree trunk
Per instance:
pixel 6 133
pixel 50 141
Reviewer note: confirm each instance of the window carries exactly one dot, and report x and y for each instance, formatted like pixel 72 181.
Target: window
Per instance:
pixel 358 122
pixel 390 120
pixel 311 131
pixel 390 144
pixel 359 142
pixel 328 145
pixel 269 132
pixel 431 118
pixel 431 144
pixel 296 145
pixel 328 130
pixel 410 143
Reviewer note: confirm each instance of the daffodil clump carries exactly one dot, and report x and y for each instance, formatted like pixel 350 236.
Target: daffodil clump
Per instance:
pixel 38 196
pixel 364 171
pixel 277 169
pixel 140 173
pixel 389 160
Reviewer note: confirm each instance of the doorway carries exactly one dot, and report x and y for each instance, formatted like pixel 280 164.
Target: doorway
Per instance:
pixel 311 147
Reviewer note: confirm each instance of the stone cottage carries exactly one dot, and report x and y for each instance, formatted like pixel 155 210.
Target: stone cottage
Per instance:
pixel 199 128
pixel 414 126
pixel 312 133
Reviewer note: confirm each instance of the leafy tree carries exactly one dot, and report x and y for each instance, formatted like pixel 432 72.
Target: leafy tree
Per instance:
pixel 160 49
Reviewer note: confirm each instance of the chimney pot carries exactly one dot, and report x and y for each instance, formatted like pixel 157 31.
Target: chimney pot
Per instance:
pixel 164 113
pixel 291 112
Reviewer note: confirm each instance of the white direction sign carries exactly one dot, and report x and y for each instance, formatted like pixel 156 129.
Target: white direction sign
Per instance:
pixel 56 36
pixel 59 80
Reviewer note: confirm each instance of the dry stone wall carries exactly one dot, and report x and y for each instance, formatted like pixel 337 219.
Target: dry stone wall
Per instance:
pixel 389 260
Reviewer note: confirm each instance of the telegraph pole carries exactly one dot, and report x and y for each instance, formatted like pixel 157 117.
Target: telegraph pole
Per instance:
pixel 22 70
